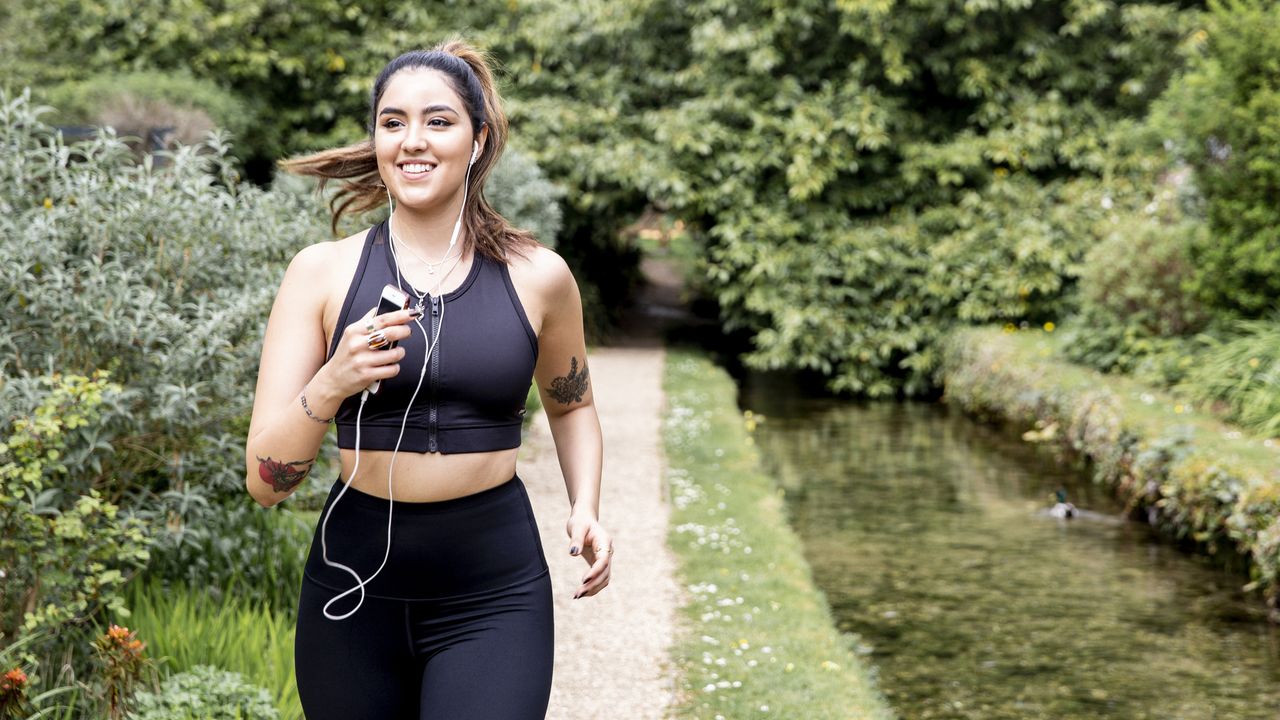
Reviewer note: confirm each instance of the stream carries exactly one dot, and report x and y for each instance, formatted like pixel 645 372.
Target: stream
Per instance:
pixel 929 535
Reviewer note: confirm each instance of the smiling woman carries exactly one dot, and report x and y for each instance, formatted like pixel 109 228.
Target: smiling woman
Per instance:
pixel 461 623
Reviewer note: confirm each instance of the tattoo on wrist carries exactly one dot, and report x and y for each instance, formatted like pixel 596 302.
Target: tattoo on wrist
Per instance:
pixel 283 476
pixel 570 388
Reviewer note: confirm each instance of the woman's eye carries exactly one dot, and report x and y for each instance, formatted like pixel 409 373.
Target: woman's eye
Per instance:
pixel 442 122
pixel 388 124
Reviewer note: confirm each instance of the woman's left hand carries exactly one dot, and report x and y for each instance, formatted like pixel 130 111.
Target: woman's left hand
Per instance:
pixel 588 538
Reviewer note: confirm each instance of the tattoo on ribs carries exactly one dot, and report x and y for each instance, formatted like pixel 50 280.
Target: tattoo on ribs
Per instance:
pixel 283 476
pixel 569 388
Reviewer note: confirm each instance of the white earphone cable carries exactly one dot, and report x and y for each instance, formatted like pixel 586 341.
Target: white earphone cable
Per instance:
pixel 364 396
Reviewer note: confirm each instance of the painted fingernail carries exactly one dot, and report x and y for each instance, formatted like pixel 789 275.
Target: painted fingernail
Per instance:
pixel 573 550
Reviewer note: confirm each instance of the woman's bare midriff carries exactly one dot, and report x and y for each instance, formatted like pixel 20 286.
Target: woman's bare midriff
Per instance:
pixel 429 477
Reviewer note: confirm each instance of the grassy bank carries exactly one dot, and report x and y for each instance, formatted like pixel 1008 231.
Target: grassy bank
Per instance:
pixel 757 638
pixel 1194 477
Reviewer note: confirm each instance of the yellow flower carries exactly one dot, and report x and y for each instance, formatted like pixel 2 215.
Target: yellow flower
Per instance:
pixel 48 203
pixel 1253 362
pixel 1179 408
pixel 1049 326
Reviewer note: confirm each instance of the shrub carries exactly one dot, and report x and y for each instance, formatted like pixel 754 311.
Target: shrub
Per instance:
pixel 1223 115
pixel 1136 313
pixel 205 693
pixel 164 278
pixel 133 102
pixel 1135 276
pixel 522 193
pixel 66 550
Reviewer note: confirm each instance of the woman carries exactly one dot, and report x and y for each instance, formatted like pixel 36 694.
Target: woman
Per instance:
pixel 426 592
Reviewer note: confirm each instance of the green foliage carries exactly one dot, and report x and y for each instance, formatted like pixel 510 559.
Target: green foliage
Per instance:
pixel 1240 376
pixel 205 693
pixel 871 173
pixel 67 552
pixel 190 627
pixel 1223 115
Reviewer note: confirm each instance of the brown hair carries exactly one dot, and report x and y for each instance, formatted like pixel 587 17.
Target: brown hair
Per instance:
pixel 466 69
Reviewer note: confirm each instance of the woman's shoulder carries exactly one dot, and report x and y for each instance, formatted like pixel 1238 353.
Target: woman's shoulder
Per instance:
pixel 542 268
pixel 327 253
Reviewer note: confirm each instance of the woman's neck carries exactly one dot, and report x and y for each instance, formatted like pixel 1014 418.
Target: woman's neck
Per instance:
pixel 427 233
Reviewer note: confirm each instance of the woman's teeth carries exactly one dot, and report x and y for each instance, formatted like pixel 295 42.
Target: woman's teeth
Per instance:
pixel 417 168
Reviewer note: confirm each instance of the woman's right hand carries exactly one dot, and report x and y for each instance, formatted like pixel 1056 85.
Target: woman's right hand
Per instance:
pixel 355 365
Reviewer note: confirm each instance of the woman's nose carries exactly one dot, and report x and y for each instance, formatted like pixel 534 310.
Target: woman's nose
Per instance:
pixel 416 137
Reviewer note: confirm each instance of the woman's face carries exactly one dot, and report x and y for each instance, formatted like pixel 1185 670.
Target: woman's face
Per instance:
pixel 422 139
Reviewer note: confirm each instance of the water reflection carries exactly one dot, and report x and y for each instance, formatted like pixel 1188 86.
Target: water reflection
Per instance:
pixel 927 532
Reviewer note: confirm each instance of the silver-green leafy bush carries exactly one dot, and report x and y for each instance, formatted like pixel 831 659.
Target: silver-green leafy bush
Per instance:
pixel 205 693
pixel 164 278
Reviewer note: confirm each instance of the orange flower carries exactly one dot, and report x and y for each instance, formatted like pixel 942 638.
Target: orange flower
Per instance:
pixel 14 679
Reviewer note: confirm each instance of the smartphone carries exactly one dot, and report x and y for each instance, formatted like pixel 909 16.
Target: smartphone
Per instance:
pixel 393 299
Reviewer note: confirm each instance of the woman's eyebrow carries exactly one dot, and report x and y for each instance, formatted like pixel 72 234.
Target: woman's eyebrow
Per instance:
pixel 425 111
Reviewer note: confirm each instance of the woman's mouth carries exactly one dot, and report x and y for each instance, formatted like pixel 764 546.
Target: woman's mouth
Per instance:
pixel 416 170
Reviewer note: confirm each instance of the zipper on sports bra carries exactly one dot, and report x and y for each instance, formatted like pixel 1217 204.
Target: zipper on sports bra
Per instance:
pixel 434 384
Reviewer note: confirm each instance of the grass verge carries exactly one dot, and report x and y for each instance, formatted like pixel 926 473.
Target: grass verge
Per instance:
pixel 757 637
pixel 1195 477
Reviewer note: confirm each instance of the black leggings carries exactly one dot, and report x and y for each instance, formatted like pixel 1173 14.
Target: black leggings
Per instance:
pixel 457 626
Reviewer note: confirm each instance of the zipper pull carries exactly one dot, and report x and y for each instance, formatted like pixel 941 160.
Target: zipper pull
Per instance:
pixel 435 309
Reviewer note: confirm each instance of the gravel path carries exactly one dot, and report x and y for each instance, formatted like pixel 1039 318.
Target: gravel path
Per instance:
pixel 613 648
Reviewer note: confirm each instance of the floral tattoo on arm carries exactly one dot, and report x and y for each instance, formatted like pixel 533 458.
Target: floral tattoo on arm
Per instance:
pixel 283 476
pixel 570 388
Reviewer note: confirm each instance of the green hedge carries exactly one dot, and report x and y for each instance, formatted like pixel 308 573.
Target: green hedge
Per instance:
pixel 1196 478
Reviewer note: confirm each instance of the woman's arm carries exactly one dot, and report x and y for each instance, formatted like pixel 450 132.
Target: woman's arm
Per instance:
pixel 283 439
pixel 283 442
pixel 564 383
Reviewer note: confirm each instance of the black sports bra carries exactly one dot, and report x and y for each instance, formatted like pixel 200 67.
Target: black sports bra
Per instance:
pixel 473 394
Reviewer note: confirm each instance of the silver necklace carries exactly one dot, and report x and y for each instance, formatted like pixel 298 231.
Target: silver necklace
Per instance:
pixel 431 266
pixel 420 305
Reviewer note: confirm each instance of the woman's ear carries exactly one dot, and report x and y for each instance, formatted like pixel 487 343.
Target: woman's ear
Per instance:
pixel 482 138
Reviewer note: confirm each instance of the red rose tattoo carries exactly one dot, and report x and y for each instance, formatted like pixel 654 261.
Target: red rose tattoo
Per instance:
pixel 283 476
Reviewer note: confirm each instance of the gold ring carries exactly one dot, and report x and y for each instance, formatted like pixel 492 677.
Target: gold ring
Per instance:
pixel 602 550
pixel 377 341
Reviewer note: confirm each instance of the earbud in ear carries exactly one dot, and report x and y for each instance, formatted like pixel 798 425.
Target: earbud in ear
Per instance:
pixel 475 151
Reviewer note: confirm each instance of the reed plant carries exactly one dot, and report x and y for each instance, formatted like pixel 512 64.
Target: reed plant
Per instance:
pixel 1239 376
